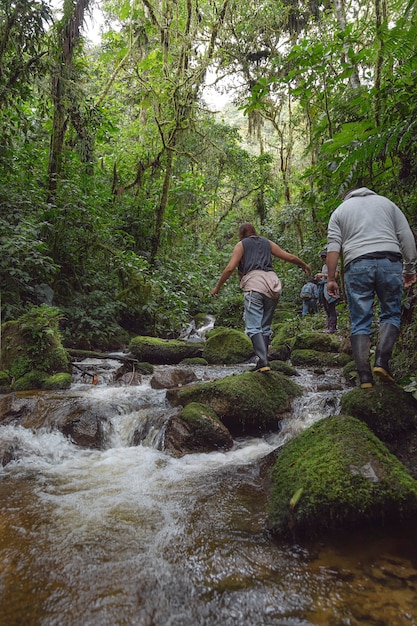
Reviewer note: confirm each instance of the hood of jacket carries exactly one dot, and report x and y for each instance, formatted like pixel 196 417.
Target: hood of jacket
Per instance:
pixel 362 191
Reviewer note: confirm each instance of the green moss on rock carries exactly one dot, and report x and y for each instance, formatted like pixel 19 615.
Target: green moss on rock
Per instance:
pixel 227 346
pixel 389 411
pixel 32 380
pixel 163 351
pixel 33 344
pixel 337 474
pixel 194 361
pixel 284 368
pixel 248 403
pixel 350 373
pixel 4 379
pixel 312 357
pixel 57 381
pixel 208 432
pixel 318 342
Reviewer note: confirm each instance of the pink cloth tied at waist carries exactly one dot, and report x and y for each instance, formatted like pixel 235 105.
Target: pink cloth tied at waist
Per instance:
pixel 267 283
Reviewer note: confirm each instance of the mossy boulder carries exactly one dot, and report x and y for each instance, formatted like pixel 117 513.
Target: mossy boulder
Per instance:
pixel 389 411
pixel 163 351
pixel 283 333
pixel 284 368
pixel 57 381
pixel 197 360
pixel 227 346
pixel 280 351
pixel 4 382
pixel 32 349
pixel 249 403
pixel 282 341
pixel 324 359
pixel 350 373
pixel 196 429
pixel 318 342
pixel 32 380
pixel 335 475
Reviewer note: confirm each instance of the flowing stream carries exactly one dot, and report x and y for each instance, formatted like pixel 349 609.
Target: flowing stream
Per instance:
pixel 131 536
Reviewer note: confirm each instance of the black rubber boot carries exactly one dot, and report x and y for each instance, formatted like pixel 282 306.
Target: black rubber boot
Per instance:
pixel 331 325
pixel 388 334
pixel 260 348
pixel 361 346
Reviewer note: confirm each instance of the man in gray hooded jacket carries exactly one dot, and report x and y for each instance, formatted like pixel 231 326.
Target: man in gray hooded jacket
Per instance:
pixel 379 254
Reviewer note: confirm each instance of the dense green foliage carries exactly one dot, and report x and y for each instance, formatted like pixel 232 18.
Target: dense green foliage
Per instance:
pixel 121 191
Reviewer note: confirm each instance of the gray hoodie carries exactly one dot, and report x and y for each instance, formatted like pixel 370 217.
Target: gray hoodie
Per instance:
pixel 366 222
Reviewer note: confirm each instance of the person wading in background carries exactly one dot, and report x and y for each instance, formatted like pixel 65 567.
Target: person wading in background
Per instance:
pixel 328 302
pixel 262 287
pixel 309 296
pixel 379 254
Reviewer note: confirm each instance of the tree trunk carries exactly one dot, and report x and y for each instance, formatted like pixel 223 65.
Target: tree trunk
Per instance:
pixel 160 212
pixel 69 37
pixel 341 18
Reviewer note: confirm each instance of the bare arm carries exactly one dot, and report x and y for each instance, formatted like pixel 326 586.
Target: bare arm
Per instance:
pixel 332 286
pixel 290 258
pixel 235 259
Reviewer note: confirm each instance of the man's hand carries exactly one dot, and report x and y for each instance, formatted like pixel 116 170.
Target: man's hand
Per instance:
pixel 409 279
pixel 214 291
pixel 332 288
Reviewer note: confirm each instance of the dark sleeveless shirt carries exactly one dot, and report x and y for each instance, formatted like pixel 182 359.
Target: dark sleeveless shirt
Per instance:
pixel 256 255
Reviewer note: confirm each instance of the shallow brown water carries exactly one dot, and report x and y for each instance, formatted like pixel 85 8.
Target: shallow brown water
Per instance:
pixel 128 536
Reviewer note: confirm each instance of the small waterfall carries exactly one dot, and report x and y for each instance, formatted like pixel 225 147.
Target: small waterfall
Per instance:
pixel 198 333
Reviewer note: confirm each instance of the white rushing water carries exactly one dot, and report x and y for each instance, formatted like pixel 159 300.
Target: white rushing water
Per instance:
pixel 129 535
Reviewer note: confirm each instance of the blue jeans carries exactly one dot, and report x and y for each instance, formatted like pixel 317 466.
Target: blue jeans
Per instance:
pixel 367 278
pixel 309 306
pixel 258 313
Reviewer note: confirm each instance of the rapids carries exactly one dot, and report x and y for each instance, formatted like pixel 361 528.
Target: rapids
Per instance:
pixel 131 536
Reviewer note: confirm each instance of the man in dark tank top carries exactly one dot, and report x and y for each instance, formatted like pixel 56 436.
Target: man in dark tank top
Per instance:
pixel 262 287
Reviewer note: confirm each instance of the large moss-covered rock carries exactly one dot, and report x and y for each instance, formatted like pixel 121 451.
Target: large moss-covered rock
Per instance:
pixel 389 411
pixel 250 403
pixel 196 429
pixel 58 381
pixel 227 346
pixel 280 351
pixel 320 342
pixel 283 336
pixel 163 351
pixel 32 349
pixel 313 357
pixel 337 474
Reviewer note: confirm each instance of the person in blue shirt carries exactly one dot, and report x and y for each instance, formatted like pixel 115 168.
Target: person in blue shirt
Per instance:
pixel 309 295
